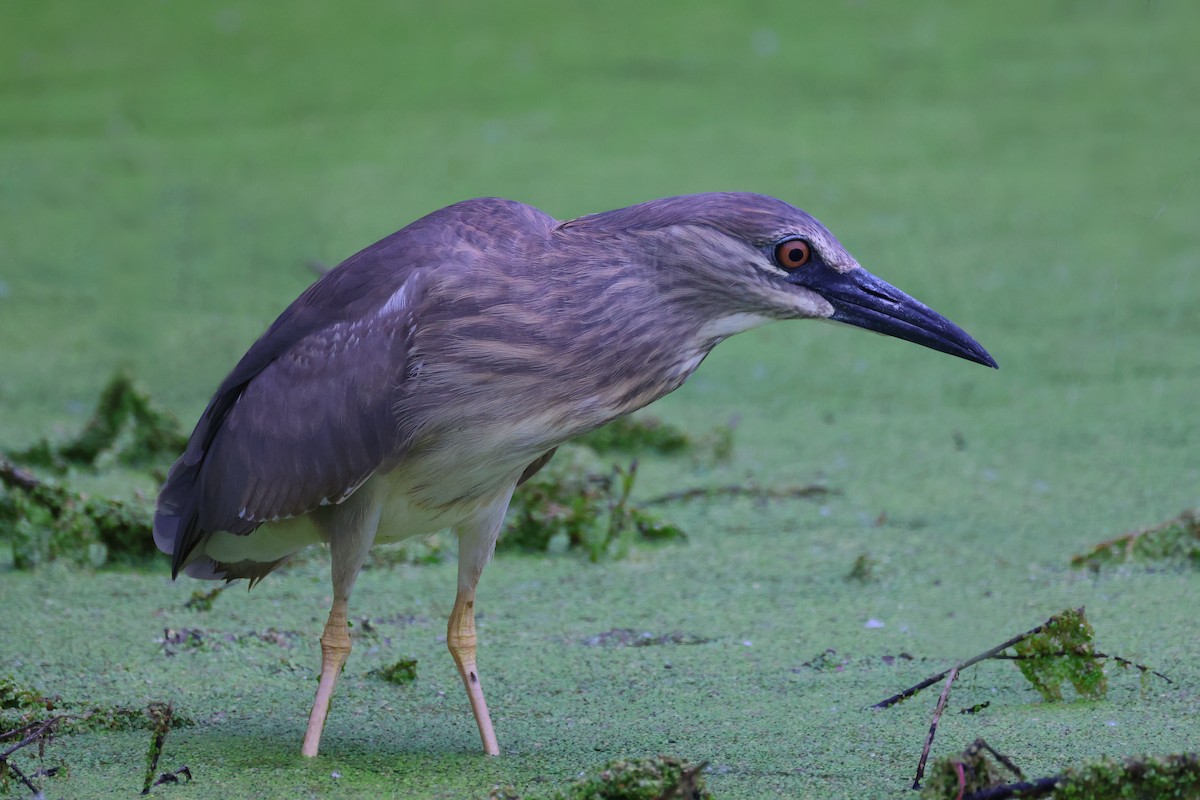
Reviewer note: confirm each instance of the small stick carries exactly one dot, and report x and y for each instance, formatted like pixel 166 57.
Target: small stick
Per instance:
pixel 738 490
pixel 37 793
pixel 909 692
pixel 980 744
pixel 1023 789
pixel 937 716
pixel 1124 662
pixel 173 777
pixel 42 729
pixel 160 716
pixel 12 475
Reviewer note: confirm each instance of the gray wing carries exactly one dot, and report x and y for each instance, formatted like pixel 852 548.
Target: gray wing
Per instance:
pixel 304 418
pixel 307 415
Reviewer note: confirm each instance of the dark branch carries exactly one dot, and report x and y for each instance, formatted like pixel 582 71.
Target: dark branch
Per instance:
pixel 933 726
pixel 909 692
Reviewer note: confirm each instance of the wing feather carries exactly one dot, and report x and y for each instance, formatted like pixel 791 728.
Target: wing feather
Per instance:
pixel 309 413
pixel 305 417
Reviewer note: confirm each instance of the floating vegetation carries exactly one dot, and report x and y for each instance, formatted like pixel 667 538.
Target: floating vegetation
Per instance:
pixel 40 733
pixel 750 490
pixel 641 779
pixel 22 705
pixel 126 428
pixel 1058 650
pixel 49 522
pixel 1062 651
pixel 982 773
pixel 160 717
pixel 863 569
pixel 628 637
pixel 578 501
pixel 401 673
pixel 826 660
pixel 1176 539
pixel 638 434
pixel 641 433
pixel 202 600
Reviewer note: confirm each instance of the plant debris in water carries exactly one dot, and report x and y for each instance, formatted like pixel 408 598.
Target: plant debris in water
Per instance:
pixel 578 501
pixel 863 569
pixel 1063 651
pixel 49 522
pixel 39 732
pixel 401 673
pixel 656 778
pixel 638 434
pixel 1176 539
pixel 982 773
pixel 160 717
pixel 1060 649
pixel 627 637
pixel 202 600
pixel 642 433
pixel 126 427
pixel 21 705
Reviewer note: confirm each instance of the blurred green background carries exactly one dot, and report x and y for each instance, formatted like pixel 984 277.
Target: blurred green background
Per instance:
pixel 170 172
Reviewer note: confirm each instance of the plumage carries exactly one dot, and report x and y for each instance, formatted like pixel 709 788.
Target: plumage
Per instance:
pixel 411 388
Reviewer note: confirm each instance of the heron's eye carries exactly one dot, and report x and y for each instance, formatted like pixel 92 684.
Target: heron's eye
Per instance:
pixel 793 254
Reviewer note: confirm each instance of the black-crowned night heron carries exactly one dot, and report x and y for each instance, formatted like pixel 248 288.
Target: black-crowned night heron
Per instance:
pixel 412 388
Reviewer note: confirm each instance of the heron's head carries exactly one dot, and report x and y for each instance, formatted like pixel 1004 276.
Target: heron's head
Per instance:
pixel 744 259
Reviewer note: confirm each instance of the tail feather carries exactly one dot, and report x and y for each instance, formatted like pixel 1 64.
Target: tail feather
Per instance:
pixel 176 516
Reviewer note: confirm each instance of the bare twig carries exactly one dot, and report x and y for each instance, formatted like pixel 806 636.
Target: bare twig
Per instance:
pixel 937 716
pixel 173 777
pixel 740 490
pixel 40 729
pixel 991 653
pixel 37 793
pixel 1022 789
pixel 160 715
pixel 12 475
pixel 33 732
pixel 1062 653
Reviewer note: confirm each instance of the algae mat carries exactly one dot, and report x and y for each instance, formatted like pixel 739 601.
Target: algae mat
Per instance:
pixel 169 172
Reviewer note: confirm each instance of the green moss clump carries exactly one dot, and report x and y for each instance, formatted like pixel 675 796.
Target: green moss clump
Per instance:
pixel 21 705
pixel 125 425
pixel 202 600
pixel 15 696
pixel 49 522
pixel 402 672
pixel 979 771
pixel 1145 778
pixel 1176 539
pixel 641 779
pixel 1063 651
pixel 584 504
pixel 863 569
pixel 1141 778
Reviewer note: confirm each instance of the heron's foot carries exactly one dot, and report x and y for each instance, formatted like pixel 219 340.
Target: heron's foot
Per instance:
pixel 335 649
pixel 460 638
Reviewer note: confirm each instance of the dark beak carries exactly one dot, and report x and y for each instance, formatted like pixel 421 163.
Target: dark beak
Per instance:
pixel 861 299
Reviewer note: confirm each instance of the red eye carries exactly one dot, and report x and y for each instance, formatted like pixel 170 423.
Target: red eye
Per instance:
pixel 793 254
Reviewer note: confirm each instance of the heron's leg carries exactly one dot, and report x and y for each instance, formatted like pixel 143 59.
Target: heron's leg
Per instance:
pixel 477 541
pixel 460 637
pixel 335 649
pixel 351 533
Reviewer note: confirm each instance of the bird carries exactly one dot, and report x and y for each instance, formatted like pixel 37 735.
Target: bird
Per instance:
pixel 412 388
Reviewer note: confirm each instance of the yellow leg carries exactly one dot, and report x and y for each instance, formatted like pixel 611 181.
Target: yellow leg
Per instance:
pixel 335 649
pixel 460 637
